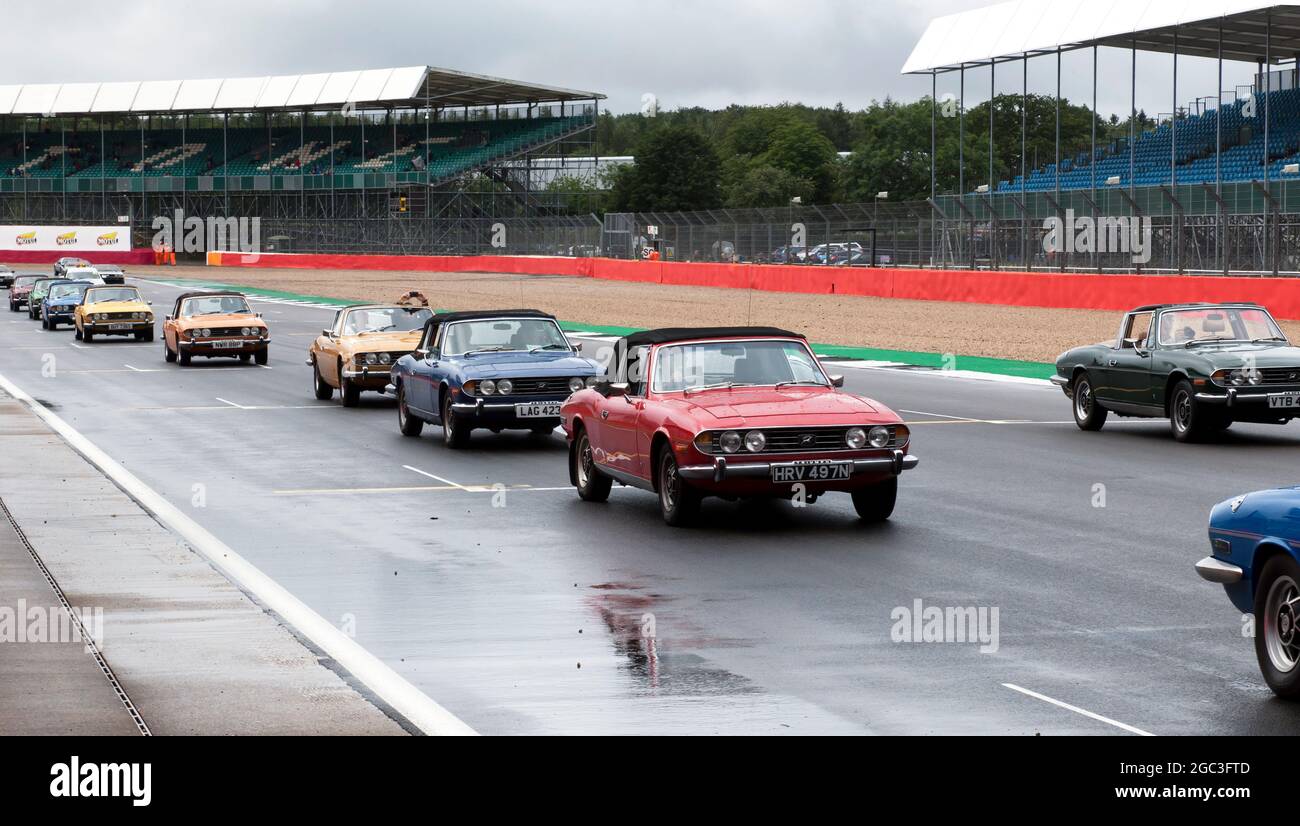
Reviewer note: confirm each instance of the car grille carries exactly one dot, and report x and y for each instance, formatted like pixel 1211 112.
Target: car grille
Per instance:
pixel 224 331
pixel 797 440
pixel 1280 375
pixel 537 387
pixel 121 316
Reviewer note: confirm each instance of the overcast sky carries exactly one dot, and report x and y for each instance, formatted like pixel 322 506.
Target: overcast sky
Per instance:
pixel 686 52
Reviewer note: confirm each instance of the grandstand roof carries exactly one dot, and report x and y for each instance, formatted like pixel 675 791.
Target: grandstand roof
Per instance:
pixel 379 88
pixel 1012 30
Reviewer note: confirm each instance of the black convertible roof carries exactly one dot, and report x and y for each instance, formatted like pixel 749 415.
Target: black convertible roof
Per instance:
pixel 470 315
pixel 668 334
pixel 1192 305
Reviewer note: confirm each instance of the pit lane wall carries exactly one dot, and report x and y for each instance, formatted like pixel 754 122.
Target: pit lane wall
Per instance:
pixel 1017 289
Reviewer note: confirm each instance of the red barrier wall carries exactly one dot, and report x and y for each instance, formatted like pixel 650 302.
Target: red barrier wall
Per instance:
pixel 12 257
pixel 1087 292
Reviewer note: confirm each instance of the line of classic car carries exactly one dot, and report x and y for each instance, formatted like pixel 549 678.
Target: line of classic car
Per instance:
pixel 749 412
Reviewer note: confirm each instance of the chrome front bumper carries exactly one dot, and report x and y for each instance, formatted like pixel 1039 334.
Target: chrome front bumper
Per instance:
pixel 720 470
pixel 1216 570
pixel 1235 397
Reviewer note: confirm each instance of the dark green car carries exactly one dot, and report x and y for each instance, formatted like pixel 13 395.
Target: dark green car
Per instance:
pixel 1202 366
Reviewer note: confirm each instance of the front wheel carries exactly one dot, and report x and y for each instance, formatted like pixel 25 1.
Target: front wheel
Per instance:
pixel 1088 412
pixel 262 356
pixel 678 501
pixel 876 502
pixel 169 355
pixel 1277 637
pixel 409 424
pixel 592 485
pixel 454 433
pixel 321 388
pixel 348 392
pixel 1188 420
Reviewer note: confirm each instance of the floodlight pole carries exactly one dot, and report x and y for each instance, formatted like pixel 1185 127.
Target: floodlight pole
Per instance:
pixel 993 94
pixel 1218 156
pixel 1132 129
pixel 1058 138
pixel 934 106
pixel 1175 219
pixel 1268 90
pixel 961 135
pixel 1024 152
pixel 1092 164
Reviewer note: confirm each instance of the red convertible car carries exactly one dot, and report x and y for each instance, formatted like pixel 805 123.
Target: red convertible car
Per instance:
pixel 737 412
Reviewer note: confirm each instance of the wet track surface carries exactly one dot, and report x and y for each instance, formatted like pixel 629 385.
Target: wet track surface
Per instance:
pixel 523 610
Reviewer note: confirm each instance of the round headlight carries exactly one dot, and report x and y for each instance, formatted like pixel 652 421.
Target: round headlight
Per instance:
pixel 755 441
pixel 575 384
pixel 729 441
pixel 371 358
pixel 487 387
pixel 205 332
pixel 385 358
pixel 247 331
pixel 879 436
pixel 505 386
pixel 855 438
pixel 591 381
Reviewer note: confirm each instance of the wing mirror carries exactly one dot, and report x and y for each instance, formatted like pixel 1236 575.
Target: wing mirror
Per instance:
pixel 612 389
pixel 577 346
pixel 327 332
pixel 837 381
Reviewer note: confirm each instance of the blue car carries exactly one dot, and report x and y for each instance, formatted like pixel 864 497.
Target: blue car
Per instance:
pixel 499 370
pixel 61 302
pixel 1255 541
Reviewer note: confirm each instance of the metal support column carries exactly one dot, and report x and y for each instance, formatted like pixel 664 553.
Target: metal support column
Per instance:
pixel 1218 158
pixel 1271 258
pixel 1024 160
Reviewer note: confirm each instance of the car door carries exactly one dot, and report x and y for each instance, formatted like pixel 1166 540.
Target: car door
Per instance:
pixel 327 357
pixel 620 418
pixel 419 393
pixel 1126 369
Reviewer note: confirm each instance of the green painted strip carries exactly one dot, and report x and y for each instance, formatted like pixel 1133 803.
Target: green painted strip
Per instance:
pixel 976 364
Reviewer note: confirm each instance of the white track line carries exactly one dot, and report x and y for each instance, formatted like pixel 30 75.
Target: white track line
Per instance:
pixel 435 478
pixel 389 686
pixel 1077 710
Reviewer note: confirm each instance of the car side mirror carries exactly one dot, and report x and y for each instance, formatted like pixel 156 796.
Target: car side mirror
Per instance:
pixel 327 332
pixel 577 346
pixel 837 381
pixel 612 389
pixel 1133 344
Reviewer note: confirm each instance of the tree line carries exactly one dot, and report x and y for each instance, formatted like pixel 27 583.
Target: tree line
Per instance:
pixel 765 156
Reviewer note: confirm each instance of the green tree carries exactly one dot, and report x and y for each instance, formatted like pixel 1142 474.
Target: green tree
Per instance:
pixel 764 185
pixel 803 152
pixel 676 169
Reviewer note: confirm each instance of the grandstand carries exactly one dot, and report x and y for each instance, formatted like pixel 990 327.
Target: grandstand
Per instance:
pixel 413 159
pixel 1216 179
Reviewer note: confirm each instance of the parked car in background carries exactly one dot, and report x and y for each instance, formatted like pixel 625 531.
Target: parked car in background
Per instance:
pixel 498 370
pixel 1202 366
pixel 789 255
pixel 113 311
pixel 356 353
pixel 6 276
pixel 21 289
pixel 214 325
pixel 84 274
pixel 60 304
pixel 736 412
pixel 61 266
pixel 1255 548
pixel 36 298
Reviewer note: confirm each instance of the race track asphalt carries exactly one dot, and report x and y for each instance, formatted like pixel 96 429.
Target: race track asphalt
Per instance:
pixel 524 610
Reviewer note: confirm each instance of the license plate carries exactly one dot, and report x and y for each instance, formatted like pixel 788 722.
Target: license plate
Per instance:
pixel 120 326
pixel 812 471
pixel 227 345
pixel 538 410
pixel 1284 401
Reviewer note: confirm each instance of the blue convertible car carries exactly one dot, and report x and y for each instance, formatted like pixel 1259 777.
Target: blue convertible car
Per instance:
pixel 499 370
pixel 1255 541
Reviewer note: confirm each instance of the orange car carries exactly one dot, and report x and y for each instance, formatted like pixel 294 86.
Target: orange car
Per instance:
pixel 357 352
pixel 215 325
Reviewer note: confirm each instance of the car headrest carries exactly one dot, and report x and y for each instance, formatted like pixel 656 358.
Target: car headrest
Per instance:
pixel 1214 323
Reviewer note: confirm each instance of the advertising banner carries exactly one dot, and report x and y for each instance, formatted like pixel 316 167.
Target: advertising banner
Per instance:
pixel 67 240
